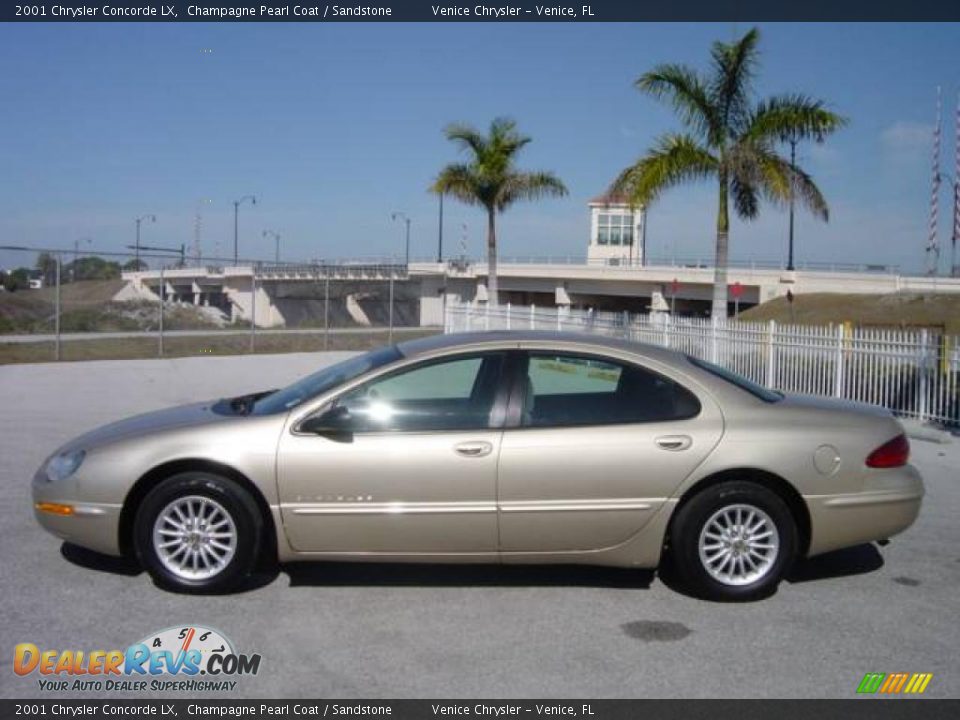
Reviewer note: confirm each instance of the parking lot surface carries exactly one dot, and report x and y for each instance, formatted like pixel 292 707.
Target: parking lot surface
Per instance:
pixel 382 631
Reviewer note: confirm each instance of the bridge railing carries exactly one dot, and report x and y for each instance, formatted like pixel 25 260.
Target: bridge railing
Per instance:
pixel 914 373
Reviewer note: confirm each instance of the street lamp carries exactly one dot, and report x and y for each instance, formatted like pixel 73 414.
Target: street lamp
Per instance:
pixel 276 236
pixel 236 212
pixel 76 255
pixel 151 218
pixel 403 216
pixel 440 233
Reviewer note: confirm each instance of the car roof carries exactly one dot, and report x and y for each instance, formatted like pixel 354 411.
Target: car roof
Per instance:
pixel 507 338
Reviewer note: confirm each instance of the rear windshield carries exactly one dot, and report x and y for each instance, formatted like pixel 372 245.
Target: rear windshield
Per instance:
pixel 740 381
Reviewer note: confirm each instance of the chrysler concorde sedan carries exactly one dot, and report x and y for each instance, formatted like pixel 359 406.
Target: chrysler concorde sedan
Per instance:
pixel 509 447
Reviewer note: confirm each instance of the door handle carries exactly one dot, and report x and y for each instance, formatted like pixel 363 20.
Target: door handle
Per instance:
pixel 674 442
pixel 473 449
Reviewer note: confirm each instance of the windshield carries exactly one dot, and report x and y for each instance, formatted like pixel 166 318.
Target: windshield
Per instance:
pixel 322 381
pixel 740 381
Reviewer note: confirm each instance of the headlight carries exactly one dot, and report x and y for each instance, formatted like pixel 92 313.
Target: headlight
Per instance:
pixel 63 465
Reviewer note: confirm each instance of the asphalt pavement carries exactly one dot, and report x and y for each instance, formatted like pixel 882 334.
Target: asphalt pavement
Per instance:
pixel 381 631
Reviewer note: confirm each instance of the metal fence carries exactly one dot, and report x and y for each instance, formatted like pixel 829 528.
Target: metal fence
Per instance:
pixel 74 305
pixel 914 373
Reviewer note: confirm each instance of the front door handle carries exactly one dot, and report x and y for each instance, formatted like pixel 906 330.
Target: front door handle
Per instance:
pixel 477 448
pixel 674 443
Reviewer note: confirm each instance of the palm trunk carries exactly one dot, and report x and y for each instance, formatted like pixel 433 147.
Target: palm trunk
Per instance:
pixel 492 298
pixel 718 311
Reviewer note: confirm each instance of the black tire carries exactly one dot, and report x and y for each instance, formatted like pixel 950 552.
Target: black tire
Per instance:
pixel 233 499
pixel 694 515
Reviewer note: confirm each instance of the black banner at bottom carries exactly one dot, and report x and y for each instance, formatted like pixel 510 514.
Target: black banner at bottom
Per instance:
pixel 854 709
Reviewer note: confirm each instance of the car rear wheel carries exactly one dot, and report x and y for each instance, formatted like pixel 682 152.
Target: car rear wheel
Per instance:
pixel 198 532
pixel 733 542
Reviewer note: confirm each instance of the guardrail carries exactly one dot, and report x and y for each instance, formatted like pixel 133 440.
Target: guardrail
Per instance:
pixel 914 373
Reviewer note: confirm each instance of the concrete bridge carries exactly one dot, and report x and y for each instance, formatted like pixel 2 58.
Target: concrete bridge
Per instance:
pixel 363 292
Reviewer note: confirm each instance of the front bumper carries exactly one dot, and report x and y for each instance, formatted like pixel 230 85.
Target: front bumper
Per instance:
pixel 91 525
pixel 888 504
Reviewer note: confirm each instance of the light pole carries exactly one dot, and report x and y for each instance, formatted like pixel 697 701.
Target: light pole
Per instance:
pixel 152 218
pixel 236 213
pixel 440 233
pixel 276 236
pixel 76 256
pixel 406 220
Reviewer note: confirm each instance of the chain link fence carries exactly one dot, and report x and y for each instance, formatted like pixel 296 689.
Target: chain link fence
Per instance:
pixel 63 305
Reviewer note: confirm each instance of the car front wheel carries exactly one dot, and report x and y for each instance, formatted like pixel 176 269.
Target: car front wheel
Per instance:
pixel 733 541
pixel 197 532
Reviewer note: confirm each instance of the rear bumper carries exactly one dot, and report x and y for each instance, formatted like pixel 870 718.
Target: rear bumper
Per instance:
pixel 888 504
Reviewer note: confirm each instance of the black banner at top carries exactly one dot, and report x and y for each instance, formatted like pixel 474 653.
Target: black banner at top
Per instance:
pixel 495 11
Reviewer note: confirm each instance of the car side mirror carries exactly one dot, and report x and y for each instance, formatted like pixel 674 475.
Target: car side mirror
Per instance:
pixel 336 421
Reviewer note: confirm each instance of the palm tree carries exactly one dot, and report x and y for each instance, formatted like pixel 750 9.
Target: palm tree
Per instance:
pixel 490 179
pixel 731 139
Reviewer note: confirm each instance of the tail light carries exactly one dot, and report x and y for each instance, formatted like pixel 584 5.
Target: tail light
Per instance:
pixel 891 454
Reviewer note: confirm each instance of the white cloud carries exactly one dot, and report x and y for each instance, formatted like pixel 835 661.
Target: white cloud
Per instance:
pixel 907 136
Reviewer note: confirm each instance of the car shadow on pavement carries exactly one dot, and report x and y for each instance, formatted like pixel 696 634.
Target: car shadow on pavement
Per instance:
pixel 857 560
pixel 437 575
pixel 92 560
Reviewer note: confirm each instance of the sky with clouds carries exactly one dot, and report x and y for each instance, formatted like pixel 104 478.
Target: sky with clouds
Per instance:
pixel 335 127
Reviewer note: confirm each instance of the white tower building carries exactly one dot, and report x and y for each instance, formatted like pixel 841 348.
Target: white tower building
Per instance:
pixel 616 232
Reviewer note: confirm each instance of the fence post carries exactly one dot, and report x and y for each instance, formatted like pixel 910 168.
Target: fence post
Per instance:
pixel 163 291
pixel 771 355
pixel 533 316
pixel 390 313
pixel 714 351
pixel 838 364
pixel 924 364
pixel 56 342
pixel 508 316
pixel 326 309
pixel 626 325
pixel 559 322
pixel 253 309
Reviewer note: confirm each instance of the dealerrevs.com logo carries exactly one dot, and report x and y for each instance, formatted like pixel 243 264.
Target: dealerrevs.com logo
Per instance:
pixel 189 659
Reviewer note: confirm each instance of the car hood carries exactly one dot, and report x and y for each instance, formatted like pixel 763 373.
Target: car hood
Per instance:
pixel 151 423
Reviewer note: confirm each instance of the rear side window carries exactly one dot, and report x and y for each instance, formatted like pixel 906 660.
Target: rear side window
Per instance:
pixel 569 390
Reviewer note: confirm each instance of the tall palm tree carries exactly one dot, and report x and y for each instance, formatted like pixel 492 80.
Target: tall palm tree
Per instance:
pixel 730 139
pixel 490 179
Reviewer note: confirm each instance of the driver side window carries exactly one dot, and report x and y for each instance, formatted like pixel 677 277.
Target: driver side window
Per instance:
pixel 449 394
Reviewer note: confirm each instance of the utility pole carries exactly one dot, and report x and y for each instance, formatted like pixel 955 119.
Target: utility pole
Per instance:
pixel 151 218
pixel 440 233
pixel 403 216
pixel 276 236
pixel 236 213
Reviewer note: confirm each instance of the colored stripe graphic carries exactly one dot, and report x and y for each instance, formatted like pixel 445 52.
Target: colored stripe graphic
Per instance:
pixel 894 683
pixel 871 682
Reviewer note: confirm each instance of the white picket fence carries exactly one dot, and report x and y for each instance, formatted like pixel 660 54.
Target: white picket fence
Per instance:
pixel 914 373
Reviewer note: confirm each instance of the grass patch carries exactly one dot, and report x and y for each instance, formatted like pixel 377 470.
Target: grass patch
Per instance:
pixel 891 310
pixel 148 347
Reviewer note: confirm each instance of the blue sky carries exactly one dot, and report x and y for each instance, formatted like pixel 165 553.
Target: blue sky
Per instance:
pixel 335 127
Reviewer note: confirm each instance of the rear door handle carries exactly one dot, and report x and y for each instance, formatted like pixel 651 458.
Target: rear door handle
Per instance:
pixel 477 448
pixel 674 443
